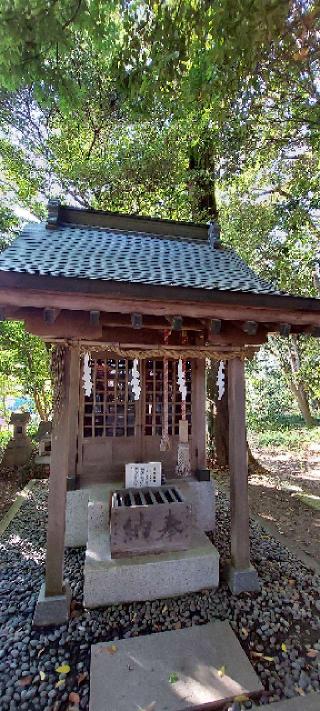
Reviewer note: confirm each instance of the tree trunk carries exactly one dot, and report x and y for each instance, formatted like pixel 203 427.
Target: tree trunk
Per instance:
pixel 296 385
pixel 39 405
pixel 300 394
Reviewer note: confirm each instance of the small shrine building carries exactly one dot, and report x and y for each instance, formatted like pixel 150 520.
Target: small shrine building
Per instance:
pixel 134 307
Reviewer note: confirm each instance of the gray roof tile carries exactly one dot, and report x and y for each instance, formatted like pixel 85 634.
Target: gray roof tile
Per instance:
pixel 90 252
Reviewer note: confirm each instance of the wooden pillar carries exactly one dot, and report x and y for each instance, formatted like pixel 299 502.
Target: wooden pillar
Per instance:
pixel 60 457
pixel 242 577
pixel 74 410
pixel 198 413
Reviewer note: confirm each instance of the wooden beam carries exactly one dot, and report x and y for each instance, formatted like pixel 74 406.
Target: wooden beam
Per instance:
pixel 233 334
pixel 138 223
pixel 143 336
pixel 136 321
pixel 50 315
pixel 150 292
pixel 94 318
pixel 59 469
pixel 284 329
pixel 315 331
pixel 80 301
pixel 67 325
pixel 176 322
pixel 238 465
pixel 215 326
pixel 150 322
pixel 250 327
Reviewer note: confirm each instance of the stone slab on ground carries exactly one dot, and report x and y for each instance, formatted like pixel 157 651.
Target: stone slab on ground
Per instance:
pixel 109 581
pixel 76 533
pixel 309 702
pixel 176 670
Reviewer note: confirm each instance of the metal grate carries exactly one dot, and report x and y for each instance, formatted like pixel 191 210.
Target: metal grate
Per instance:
pixel 146 497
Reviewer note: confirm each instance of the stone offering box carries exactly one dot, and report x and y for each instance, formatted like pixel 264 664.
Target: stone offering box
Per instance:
pixel 149 520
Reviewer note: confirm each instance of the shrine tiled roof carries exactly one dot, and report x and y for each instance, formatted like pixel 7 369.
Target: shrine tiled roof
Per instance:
pixel 85 251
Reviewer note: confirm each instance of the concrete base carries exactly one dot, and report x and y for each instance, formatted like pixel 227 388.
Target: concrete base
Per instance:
pixel 171 671
pixel 110 581
pixel 201 495
pixel 240 581
pixel 53 610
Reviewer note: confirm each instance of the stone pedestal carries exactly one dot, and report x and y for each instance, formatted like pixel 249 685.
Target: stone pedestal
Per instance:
pixel 53 609
pixel 240 581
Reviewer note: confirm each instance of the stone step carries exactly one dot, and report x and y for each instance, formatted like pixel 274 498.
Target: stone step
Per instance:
pixel 171 671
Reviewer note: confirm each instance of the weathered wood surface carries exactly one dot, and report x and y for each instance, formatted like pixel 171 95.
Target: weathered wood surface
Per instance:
pixel 238 466
pixel 59 470
pixel 65 325
pixel 198 413
pixel 291 310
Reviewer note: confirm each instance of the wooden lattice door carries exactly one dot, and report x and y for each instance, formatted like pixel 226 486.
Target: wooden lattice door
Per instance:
pixel 116 429
pixel 153 415
pixel 111 420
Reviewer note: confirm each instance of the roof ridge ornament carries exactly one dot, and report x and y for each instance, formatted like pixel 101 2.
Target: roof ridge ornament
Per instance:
pixel 53 213
pixel 214 233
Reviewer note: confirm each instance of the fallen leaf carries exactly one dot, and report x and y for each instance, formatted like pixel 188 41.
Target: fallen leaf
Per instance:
pixel 259 655
pixel 74 698
pixel 75 605
pixel 283 647
pixel 59 683
pixel 42 675
pixel 164 610
pixel 221 671
pixel 177 625
pixel 173 678
pixel 312 653
pixel 82 677
pixel 75 614
pixel 302 54
pixel 63 669
pixel 245 632
pixel 241 699
pixel 25 681
pixel 40 652
pixel 112 649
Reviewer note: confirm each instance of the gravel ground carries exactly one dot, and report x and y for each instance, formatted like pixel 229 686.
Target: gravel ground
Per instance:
pixel 278 628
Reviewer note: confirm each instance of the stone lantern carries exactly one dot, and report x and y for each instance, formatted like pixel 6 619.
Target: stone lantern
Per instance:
pixel 19 448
